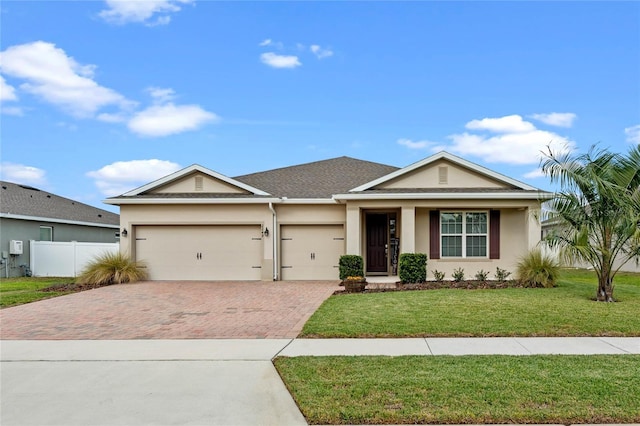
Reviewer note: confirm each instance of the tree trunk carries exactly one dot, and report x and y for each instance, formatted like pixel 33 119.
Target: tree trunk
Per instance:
pixel 605 285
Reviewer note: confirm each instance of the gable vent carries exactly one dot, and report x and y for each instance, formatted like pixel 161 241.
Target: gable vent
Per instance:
pixel 443 175
pixel 199 183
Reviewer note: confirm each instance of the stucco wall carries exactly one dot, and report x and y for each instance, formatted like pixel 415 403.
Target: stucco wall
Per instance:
pixel 457 177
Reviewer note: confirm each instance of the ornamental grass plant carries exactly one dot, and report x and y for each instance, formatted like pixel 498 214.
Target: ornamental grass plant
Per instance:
pixel 112 268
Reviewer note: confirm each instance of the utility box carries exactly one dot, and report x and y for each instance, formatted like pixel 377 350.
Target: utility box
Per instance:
pixel 15 247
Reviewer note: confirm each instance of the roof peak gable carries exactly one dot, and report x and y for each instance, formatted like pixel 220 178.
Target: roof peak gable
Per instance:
pixel 188 170
pixel 443 155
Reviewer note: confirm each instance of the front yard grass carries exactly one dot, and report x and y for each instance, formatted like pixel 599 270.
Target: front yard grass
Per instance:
pixel 17 291
pixel 566 310
pixel 468 389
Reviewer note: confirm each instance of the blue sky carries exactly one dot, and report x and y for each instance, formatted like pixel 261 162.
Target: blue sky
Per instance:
pixel 99 97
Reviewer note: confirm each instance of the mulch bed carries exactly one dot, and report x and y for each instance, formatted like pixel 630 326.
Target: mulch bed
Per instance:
pixel 440 285
pixel 70 287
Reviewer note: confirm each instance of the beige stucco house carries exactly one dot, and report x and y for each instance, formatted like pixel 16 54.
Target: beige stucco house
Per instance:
pixel 295 222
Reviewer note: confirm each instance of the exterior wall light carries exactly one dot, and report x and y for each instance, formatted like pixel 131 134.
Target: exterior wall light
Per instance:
pixel 265 232
pixel 124 232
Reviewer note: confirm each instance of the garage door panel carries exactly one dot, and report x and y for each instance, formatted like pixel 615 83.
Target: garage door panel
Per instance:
pixel 219 252
pixel 311 252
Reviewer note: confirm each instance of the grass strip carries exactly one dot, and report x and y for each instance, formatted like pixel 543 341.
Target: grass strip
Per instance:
pixel 17 291
pixel 469 389
pixel 566 310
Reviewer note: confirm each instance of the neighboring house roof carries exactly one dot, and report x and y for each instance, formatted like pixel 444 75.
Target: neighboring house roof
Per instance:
pixel 319 179
pixel 29 203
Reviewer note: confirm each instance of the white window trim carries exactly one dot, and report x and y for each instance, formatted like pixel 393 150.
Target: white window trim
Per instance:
pixel 464 235
pixel 50 232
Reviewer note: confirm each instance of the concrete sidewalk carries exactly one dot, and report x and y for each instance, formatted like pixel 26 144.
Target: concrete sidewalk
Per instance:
pixel 205 382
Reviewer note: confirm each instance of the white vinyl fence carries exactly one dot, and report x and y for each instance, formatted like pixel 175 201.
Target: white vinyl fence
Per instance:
pixel 630 266
pixel 65 259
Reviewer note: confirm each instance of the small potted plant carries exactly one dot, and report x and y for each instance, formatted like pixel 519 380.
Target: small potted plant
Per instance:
pixel 354 284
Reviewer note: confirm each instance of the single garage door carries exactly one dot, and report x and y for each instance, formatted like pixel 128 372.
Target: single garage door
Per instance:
pixel 311 252
pixel 199 252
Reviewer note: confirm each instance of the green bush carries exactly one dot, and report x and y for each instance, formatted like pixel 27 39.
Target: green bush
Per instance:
pixel 437 275
pixel 482 275
pixel 502 274
pixel 536 269
pixel 351 265
pixel 112 268
pixel 458 275
pixel 413 267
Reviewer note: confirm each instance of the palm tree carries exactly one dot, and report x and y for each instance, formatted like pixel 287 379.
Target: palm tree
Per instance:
pixel 597 210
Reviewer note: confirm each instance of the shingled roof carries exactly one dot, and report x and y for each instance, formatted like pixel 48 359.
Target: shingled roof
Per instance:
pixel 27 201
pixel 320 179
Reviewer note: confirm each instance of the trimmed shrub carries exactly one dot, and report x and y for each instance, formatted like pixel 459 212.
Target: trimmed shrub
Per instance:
pixel 502 274
pixel 458 275
pixel 536 269
pixel 112 268
pixel 437 275
pixel 351 265
pixel 482 275
pixel 412 268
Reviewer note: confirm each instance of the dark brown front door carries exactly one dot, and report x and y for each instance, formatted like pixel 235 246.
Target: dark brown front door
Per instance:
pixel 377 242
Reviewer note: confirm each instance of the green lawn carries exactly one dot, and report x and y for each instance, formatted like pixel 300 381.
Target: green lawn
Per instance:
pixel 566 310
pixel 469 389
pixel 17 291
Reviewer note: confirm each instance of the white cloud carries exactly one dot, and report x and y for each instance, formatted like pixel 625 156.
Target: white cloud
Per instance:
pixel 58 79
pixel 507 124
pixel 265 42
pixel 415 144
pixel 320 52
pixel 112 118
pixel 507 139
pixel 13 110
pixel 280 61
pixel 168 119
pixel 534 174
pixel 19 173
pixel 560 119
pixel 161 95
pixel 141 11
pixel 122 176
pixel 633 134
pixel 7 92
pixel 515 141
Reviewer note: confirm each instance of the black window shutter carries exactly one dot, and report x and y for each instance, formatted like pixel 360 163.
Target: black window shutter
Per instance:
pixel 434 234
pixel 494 234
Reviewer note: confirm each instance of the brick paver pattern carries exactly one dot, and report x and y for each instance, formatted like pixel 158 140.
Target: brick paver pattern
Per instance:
pixel 171 310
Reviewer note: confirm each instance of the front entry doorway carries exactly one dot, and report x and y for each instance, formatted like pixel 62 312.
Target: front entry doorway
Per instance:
pixel 377 243
pixel 381 243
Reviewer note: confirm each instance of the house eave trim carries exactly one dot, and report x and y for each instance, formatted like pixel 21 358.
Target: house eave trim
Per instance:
pixel 54 220
pixel 446 196
pixel 146 201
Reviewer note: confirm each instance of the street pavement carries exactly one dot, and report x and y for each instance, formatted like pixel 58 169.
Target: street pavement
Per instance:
pixel 206 381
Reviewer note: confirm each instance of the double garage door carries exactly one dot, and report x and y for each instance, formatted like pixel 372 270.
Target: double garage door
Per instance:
pixel 199 252
pixel 235 252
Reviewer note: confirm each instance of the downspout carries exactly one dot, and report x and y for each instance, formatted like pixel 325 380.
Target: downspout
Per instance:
pixel 275 241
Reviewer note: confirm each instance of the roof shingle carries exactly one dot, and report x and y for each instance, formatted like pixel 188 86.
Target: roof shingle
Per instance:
pixel 25 200
pixel 319 179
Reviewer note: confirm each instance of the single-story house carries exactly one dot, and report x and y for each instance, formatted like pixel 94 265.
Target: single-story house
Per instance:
pixel 294 223
pixel 28 213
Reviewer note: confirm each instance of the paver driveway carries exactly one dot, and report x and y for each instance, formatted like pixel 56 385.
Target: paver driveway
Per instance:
pixel 171 310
